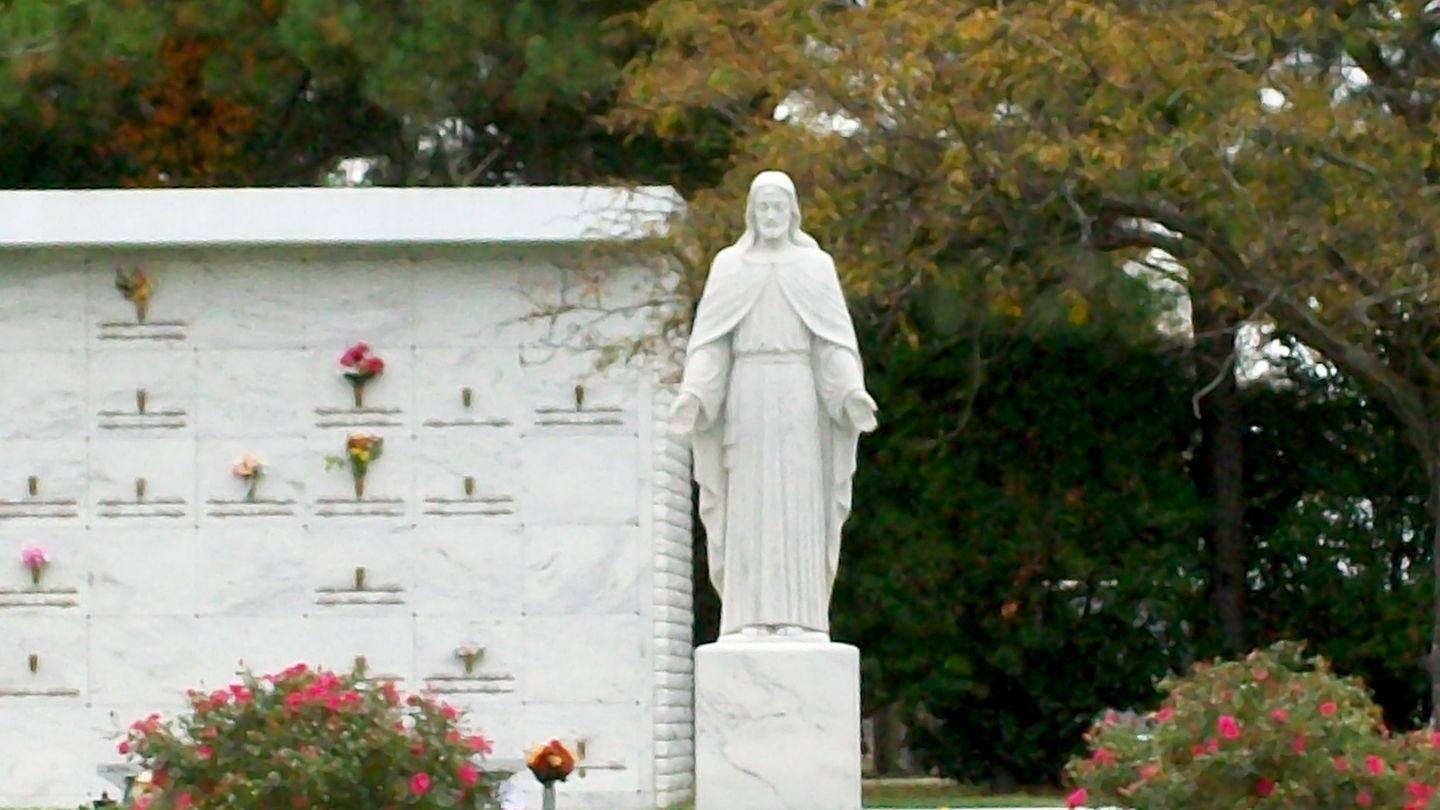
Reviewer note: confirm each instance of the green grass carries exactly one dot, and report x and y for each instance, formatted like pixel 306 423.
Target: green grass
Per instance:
pixel 949 794
pixel 972 800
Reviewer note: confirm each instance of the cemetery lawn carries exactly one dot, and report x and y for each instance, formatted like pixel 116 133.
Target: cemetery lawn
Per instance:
pixel 898 794
pixel 968 800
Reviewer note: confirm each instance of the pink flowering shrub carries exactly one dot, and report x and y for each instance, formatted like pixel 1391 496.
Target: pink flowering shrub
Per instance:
pixel 1275 730
pixel 308 738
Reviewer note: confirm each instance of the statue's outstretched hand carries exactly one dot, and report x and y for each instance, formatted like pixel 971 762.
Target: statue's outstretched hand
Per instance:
pixel 685 414
pixel 860 411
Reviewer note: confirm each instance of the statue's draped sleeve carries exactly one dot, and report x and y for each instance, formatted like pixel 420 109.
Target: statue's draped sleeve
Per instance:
pixel 730 291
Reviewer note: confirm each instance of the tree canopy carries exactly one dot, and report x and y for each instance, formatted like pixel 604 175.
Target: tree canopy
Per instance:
pixel 279 92
pixel 996 150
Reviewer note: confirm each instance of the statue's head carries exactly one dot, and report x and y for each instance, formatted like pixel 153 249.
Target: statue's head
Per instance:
pixel 772 211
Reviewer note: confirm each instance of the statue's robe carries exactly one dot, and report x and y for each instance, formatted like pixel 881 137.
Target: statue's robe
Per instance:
pixel 772 357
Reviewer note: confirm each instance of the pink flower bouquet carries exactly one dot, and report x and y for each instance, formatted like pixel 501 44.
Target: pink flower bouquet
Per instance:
pixel 34 558
pixel 359 366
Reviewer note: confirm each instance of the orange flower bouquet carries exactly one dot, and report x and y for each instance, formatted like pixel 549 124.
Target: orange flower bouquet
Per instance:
pixel 137 288
pixel 550 763
pixel 360 450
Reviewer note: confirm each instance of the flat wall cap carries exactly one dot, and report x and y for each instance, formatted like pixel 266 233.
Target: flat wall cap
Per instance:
pixel 321 216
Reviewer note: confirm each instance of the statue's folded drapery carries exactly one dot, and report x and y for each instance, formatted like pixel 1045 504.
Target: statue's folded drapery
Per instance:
pixel 772 360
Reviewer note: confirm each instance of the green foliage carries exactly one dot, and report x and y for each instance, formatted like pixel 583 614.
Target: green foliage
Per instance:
pixel 1021 553
pixel 309 738
pixel 1337 520
pixel 1274 730
pixel 278 92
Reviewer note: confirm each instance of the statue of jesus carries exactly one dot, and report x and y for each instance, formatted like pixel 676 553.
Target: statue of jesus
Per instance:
pixel 773 398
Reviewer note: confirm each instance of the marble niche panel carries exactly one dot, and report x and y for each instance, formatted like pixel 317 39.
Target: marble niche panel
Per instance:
pixel 176 296
pixel 145 666
pixel 608 661
pixel 44 394
pixel 468 395
pixel 254 393
pixel 615 762
pixel 489 302
pixel 42 299
pixel 45 484
pixel 279 493
pixel 43 657
pixel 469 570
pixel 252 567
pixel 584 570
pixel 488 692
pixel 467 477
pixel 142 392
pixel 144 481
pixel 352 297
pixel 388 398
pixel 263 303
pixel 388 498
pixel 64 586
pixel 360 571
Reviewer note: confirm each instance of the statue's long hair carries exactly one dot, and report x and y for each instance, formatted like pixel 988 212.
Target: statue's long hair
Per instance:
pixel 782 181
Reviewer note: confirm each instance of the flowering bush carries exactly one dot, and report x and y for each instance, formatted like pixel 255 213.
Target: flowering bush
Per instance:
pixel 308 738
pixel 1275 730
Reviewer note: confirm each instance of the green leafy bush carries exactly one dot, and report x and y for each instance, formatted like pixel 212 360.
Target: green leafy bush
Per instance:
pixel 306 738
pixel 1275 730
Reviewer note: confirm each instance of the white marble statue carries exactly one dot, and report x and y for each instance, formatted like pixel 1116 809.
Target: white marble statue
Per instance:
pixel 773 397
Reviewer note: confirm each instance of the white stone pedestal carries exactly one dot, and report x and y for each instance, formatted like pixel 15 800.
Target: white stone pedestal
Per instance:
pixel 777 726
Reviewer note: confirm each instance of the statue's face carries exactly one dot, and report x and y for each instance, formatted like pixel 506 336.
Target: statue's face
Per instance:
pixel 772 212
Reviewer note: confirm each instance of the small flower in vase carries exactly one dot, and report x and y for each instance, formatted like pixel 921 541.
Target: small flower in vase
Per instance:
pixel 137 288
pixel 360 450
pixel 249 469
pixel 550 763
pixel 469 654
pixel 359 366
pixel 34 558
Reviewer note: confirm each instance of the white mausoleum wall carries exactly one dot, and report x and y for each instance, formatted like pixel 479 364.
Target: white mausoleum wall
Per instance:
pixel 568 560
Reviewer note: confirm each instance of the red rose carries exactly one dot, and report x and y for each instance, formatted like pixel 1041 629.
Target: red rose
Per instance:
pixel 1327 708
pixel 419 783
pixel 1076 799
pixel 123 747
pixel 1228 728
pixel 1264 788
pixel 354 354
pixel 480 745
pixel 468 775
pixel 371 366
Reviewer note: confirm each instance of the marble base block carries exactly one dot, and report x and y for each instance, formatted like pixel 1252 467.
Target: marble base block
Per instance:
pixel 777 726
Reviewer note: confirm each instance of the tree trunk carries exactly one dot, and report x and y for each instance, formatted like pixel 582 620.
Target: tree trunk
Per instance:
pixel 1432 478
pixel 1220 464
